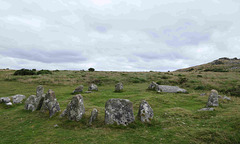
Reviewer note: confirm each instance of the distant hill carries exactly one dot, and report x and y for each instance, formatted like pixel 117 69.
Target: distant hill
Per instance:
pixel 220 65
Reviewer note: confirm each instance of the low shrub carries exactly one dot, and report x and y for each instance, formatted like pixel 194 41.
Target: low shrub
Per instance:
pixel 41 72
pixel 25 72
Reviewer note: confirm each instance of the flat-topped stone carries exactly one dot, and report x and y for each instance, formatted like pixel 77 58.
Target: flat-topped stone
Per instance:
pixel 170 89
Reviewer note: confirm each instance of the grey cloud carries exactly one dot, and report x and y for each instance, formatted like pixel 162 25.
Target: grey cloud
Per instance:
pixel 156 56
pixel 45 56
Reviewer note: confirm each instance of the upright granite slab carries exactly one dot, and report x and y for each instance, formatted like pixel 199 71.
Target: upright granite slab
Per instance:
pixel 119 111
pixel 152 86
pixel 213 99
pixel 34 102
pixel 93 87
pixel 119 87
pixel 145 112
pixel 75 109
pixel 50 103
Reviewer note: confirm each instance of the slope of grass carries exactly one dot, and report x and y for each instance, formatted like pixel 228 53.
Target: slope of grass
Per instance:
pixel 176 119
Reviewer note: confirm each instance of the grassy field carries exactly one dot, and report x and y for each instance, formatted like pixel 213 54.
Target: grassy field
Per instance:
pixel 176 116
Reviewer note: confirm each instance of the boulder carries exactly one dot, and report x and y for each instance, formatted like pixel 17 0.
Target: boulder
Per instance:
pixel 152 86
pixel 206 109
pixel 93 87
pixel 75 109
pixel 18 98
pixel 119 111
pixel 35 102
pixel 78 89
pixel 93 116
pixel 213 99
pixel 170 89
pixel 145 112
pixel 9 104
pixel 5 100
pixel 226 98
pixel 50 103
pixel 202 94
pixel 118 87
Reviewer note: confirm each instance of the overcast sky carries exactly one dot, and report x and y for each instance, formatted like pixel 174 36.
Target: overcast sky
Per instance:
pixel 121 35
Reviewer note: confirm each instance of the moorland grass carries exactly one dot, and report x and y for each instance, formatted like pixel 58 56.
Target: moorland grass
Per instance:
pixel 176 116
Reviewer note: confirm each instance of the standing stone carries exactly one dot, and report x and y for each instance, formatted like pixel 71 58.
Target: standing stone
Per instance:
pixel 93 87
pixel 50 103
pixel 213 99
pixel 170 89
pixel 35 102
pixel 78 89
pixel 145 112
pixel 18 99
pixel 5 100
pixel 93 116
pixel 118 87
pixel 75 109
pixel 152 86
pixel 119 111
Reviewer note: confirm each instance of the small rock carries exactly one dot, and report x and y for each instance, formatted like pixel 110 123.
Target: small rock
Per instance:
pixel 213 99
pixel 226 98
pixel 119 111
pixel 219 96
pixel 18 98
pixel 202 94
pixel 78 89
pixel 118 87
pixel 206 109
pixel 93 87
pixel 50 103
pixel 56 126
pixel 9 104
pixel 93 116
pixel 170 89
pixel 5 100
pixel 75 109
pixel 145 112
pixel 152 86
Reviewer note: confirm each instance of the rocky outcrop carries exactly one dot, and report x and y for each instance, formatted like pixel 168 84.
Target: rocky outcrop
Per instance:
pixel 93 87
pixel 152 86
pixel 75 109
pixel 93 116
pixel 170 89
pixel 118 87
pixel 50 103
pixel 119 111
pixel 145 112
pixel 78 89
pixel 18 98
pixel 213 99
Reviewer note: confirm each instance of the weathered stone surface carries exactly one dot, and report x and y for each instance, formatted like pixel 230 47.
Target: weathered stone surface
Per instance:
pixel 202 94
pixel 9 104
pixel 152 86
pixel 206 109
pixel 50 103
pixel 145 112
pixel 78 89
pixel 118 87
pixel 75 109
pixel 119 111
pixel 170 89
pixel 226 98
pixel 18 98
pixel 93 87
pixel 30 103
pixel 213 99
pixel 93 116
pixel 35 102
pixel 5 100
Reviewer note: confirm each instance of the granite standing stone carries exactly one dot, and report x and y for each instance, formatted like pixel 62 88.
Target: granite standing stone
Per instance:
pixel 75 109
pixel 152 86
pixel 145 112
pixel 50 103
pixel 93 87
pixel 213 99
pixel 18 98
pixel 170 89
pixel 78 89
pixel 118 87
pixel 93 116
pixel 119 111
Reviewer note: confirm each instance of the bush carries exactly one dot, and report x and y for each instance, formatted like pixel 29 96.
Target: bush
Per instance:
pixel 164 77
pixel 91 69
pixel 25 72
pixel 41 72
pixel 137 80
pixel 216 70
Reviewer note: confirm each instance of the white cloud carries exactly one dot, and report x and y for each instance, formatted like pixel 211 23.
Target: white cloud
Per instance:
pixel 117 35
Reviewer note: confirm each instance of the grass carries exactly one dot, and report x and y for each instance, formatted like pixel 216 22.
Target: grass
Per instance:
pixel 176 116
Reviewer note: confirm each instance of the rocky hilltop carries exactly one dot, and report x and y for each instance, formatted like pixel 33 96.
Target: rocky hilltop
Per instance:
pixel 220 65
